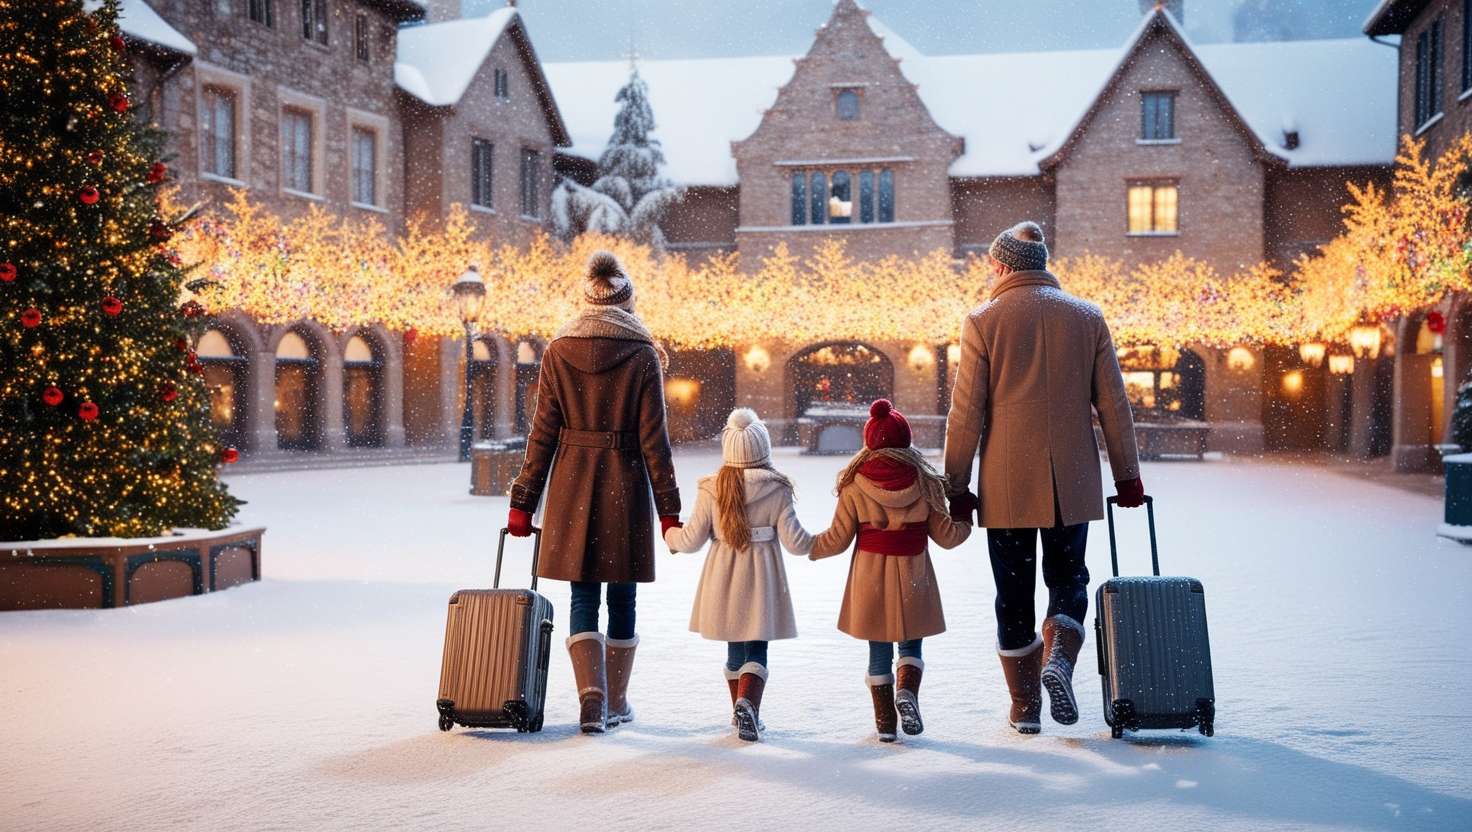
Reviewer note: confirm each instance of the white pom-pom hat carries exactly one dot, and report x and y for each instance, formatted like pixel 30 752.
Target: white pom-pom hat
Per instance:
pixel 745 442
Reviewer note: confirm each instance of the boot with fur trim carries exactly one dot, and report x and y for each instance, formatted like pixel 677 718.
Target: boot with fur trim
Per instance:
pixel 749 690
pixel 1023 670
pixel 1063 638
pixel 586 650
pixel 620 666
pixel 881 688
pixel 733 677
pixel 907 694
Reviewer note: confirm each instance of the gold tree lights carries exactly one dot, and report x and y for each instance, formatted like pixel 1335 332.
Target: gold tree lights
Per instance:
pixel 104 426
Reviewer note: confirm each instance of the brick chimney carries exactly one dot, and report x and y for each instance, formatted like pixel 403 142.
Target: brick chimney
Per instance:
pixel 1175 7
pixel 442 10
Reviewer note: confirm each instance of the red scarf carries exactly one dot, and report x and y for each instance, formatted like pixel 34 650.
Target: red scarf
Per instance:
pixel 889 473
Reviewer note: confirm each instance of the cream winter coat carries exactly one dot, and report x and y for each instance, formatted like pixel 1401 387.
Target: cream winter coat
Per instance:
pixel 742 595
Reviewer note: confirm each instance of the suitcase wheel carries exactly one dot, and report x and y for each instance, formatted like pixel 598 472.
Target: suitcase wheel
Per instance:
pixel 536 727
pixel 1206 716
pixel 1116 731
pixel 1207 729
pixel 446 723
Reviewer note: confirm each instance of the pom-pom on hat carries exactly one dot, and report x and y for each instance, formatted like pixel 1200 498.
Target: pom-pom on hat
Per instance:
pixel 745 442
pixel 886 428
pixel 607 285
pixel 1021 248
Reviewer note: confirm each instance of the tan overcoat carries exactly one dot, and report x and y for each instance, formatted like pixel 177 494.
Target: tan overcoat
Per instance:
pixel 889 597
pixel 1035 362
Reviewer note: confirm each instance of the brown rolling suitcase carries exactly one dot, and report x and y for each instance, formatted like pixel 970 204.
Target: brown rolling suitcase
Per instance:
pixel 497 645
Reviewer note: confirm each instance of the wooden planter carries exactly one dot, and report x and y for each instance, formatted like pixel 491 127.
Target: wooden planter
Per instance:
pixel 494 466
pixel 90 573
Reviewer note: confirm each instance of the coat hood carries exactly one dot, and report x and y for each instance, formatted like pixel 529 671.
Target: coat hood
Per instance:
pixel 594 355
pixel 760 484
pixel 889 499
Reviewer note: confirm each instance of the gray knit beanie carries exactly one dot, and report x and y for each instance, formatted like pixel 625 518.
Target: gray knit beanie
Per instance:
pixel 1021 248
pixel 607 285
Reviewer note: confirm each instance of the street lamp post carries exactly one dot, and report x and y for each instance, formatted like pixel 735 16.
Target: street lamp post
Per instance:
pixel 470 295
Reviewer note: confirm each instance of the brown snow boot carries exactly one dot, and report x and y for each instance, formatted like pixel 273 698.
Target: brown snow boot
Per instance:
pixel 586 650
pixel 907 694
pixel 1062 639
pixel 881 688
pixel 620 665
pixel 1023 669
pixel 748 707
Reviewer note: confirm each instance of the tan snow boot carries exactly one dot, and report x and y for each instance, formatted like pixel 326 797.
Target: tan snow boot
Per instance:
pixel 620 665
pixel 1023 670
pixel 586 650
pixel 1062 639
pixel 749 689
pixel 881 688
pixel 907 694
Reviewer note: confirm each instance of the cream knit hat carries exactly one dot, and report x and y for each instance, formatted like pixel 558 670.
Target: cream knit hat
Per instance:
pixel 745 442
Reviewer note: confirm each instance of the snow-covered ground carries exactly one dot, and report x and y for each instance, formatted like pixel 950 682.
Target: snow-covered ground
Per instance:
pixel 1339 625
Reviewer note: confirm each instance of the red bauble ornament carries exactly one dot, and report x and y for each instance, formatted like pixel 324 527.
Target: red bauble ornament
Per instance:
pixel 111 306
pixel 157 172
pixel 118 102
pixel 117 44
pixel 168 392
pixel 159 232
pixel 181 344
pixel 87 411
pixel 1436 322
pixel 229 456
pixel 410 335
pixel 52 396
pixel 191 309
pixel 7 272
pixel 89 195
pixel 31 318
pixel 95 158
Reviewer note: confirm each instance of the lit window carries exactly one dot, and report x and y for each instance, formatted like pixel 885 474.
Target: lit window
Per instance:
pixel 846 105
pixel 219 132
pixel 296 150
pixel 841 199
pixel 1157 116
pixel 1153 208
pixel 365 166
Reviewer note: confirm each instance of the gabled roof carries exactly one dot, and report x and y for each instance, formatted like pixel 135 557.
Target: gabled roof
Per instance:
pixel 140 22
pixel 436 63
pixel 1391 17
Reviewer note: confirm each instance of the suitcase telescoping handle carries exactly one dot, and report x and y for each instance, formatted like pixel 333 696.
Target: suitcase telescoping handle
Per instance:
pixel 536 554
pixel 1114 550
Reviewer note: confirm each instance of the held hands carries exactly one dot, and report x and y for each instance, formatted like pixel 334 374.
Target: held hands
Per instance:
pixel 667 522
pixel 519 523
pixel 1131 493
pixel 963 507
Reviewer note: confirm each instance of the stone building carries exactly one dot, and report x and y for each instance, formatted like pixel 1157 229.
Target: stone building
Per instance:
pixel 1229 153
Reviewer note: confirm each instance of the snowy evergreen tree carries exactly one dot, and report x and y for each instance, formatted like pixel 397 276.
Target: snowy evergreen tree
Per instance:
pixel 629 197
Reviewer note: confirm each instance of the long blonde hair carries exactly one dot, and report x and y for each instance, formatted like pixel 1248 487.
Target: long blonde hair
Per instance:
pixel 733 526
pixel 932 484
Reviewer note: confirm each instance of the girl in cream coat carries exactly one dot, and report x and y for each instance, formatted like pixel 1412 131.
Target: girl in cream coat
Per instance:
pixel 745 510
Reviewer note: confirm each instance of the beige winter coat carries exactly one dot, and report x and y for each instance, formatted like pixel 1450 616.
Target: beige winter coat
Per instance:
pixel 1034 360
pixel 743 595
pixel 889 597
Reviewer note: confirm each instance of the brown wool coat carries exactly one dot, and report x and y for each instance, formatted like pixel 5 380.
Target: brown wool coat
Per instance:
pixel 888 597
pixel 598 523
pixel 1034 361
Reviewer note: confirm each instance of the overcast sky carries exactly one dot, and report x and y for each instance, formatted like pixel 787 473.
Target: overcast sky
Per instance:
pixel 565 30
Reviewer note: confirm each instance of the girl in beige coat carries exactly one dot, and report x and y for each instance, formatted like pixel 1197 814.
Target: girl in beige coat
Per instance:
pixel 746 511
pixel 892 500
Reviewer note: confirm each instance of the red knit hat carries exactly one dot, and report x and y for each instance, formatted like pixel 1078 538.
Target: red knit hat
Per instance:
pixel 886 427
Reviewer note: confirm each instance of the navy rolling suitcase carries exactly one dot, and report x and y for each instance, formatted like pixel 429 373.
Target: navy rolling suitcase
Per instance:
pixel 1154 655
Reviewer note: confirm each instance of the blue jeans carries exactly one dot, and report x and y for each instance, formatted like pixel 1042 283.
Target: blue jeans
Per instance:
pixel 881 655
pixel 1014 568
pixel 739 653
pixel 582 614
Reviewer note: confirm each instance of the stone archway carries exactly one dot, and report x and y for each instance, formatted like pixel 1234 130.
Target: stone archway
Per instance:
pixel 837 375
pixel 362 390
pixel 484 362
pixel 300 372
pixel 1418 400
pixel 527 355
pixel 226 357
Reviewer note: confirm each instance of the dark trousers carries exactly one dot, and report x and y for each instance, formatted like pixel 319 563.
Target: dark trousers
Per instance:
pixel 1014 556
pixel 739 653
pixel 881 655
pixel 582 614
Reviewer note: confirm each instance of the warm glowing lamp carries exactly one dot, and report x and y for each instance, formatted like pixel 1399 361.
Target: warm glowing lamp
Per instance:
pixel 469 294
pixel 1341 364
pixel 1438 369
pixel 1293 382
pixel 1313 353
pixel 953 354
pixel 757 359
pixel 1241 359
pixel 921 358
pixel 1364 339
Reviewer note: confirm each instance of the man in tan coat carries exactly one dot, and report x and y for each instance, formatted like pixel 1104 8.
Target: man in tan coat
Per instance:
pixel 1036 363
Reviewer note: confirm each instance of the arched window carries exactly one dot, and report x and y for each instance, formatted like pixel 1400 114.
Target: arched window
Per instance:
pixel 799 198
pixel 297 382
pixel 846 104
pixel 866 196
pixel 362 392
pixel 224 377
pixel 841 199
pixel 886 195
pixel 483 389
pixel 818 198
pixel 528 367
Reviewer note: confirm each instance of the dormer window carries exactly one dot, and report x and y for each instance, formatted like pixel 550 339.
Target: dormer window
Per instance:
pixel 846 104
pixel 1158 116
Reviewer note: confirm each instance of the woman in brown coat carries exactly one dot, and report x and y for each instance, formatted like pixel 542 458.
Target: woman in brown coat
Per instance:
pixel 599 429
pixel 892 501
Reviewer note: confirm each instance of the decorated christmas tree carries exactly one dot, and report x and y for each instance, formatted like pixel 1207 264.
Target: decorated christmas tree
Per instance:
pixel 1462 416
pixel 104 416
pixel 630 196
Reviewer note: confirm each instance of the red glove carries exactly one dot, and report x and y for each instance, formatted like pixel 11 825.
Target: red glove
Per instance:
pixel 1131 493
pixel 667 522
pixel 519 523
pixel 963 507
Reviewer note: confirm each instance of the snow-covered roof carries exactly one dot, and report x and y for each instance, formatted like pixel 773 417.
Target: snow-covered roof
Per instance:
pixel 437 62
pixel 1339 94
pixel 138 20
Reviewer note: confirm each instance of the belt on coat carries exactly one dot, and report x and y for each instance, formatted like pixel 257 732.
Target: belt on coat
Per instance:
pixel 598 438
pixel 760 534
pixel 906 541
